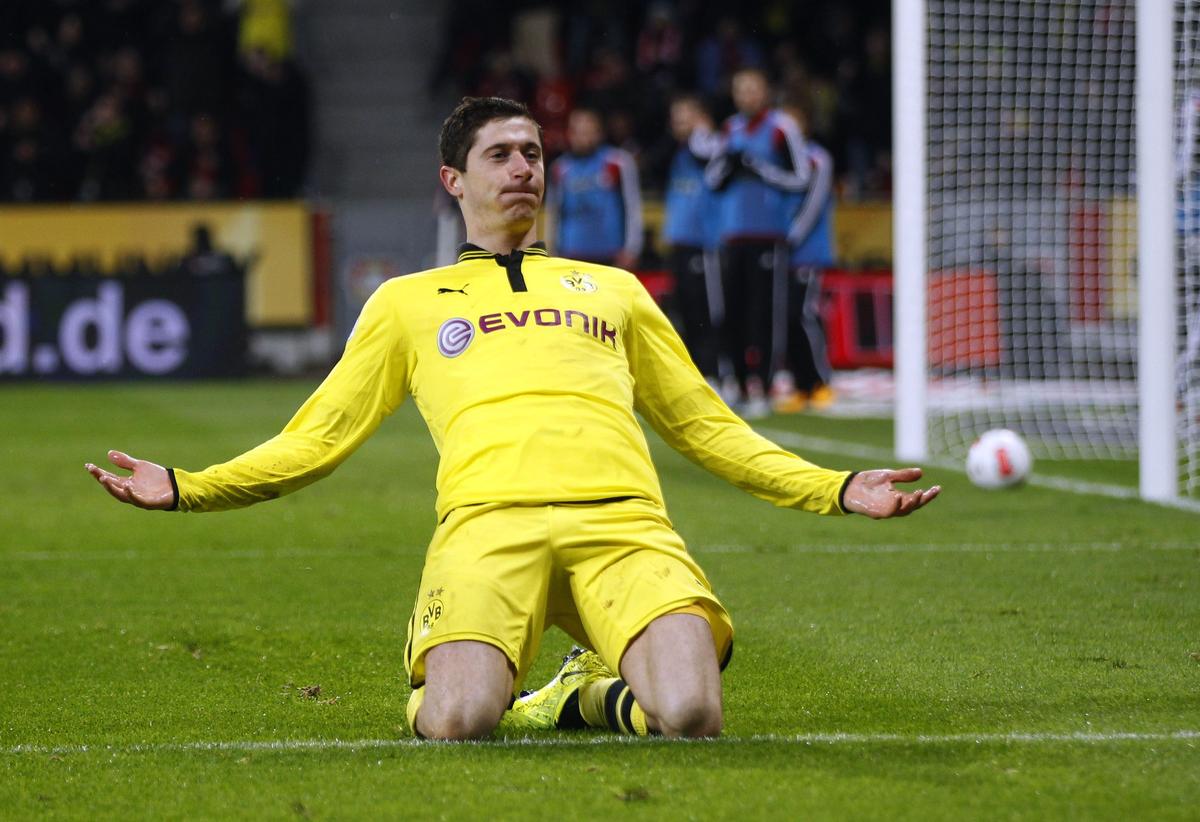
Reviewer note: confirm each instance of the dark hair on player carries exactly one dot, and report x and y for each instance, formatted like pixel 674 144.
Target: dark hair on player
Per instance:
pixel 463 124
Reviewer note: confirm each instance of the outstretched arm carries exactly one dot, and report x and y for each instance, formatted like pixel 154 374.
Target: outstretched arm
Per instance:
pixel 149 486
pixel 674 398
pixel 874 493
pixel 364 387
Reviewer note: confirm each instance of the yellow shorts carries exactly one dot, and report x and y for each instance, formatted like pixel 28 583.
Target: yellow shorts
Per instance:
pixel 502 574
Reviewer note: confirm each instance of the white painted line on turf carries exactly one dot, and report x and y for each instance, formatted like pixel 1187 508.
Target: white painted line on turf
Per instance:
pixel 825 445
pixel 297 553
pixel 294 745
pixel 717 548
pixel 949 548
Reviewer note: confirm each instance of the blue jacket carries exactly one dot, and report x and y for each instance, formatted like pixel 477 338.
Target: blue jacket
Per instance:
pixel 691 206
pixel 811 232
pixel 597 204
pixel 760 166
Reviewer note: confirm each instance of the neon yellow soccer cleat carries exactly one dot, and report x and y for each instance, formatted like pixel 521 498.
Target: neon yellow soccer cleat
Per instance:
pixel 556 704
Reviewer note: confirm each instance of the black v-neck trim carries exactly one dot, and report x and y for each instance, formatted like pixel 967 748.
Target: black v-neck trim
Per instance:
pixel 470 251
pixel 511 263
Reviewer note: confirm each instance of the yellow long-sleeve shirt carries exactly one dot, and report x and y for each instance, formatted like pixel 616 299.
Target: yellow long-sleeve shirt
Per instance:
pixel 527 372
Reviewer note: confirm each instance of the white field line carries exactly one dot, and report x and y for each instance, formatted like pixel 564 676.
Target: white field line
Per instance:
pixel 949 548
pixel 201 556
pixel 883 456
pixel 850 739
pixel 699 548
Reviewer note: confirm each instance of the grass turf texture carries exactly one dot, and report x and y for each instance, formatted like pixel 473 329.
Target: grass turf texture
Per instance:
pixel 1019 617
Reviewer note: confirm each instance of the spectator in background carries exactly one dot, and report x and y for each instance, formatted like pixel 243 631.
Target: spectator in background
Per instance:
pixel 659 48
pixel 594 197
pixel 31 167
pixel 265 26
pixel 690 230
pixel 156 169
pixel 205 260
pixel 761 164
pixel 106 139
pixel 273 110
pixel 68 45
pixel 16 74
pixel 206 168
pixel 77 93
pixel 810 238
pixel 196 68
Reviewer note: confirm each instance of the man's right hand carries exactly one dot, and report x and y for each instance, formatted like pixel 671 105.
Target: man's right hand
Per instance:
pixel 149 486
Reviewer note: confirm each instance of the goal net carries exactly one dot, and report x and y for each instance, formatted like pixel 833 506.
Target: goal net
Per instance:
pixel 1031 282
pixel 1032 321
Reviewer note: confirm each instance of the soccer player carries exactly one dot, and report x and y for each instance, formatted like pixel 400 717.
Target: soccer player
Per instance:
pixel 690 229
pixel 810 239
pixel 595 198
pixel 760 167
pixel 528 370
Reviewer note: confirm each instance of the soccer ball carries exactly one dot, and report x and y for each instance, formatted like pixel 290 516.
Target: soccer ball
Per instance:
pixel 999 459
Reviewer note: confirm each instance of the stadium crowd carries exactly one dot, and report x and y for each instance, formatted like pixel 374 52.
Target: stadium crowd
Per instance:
pixel 627 60
pixel 138 99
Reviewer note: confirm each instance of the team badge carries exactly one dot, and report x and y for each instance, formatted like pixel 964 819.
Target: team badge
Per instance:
pixel 454 336
pixel 576 281
pixel 429 617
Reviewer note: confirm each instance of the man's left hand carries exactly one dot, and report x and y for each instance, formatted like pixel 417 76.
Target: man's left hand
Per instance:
pixel 874 494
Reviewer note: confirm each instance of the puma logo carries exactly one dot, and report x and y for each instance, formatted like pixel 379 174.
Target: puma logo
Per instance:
pixel 462 290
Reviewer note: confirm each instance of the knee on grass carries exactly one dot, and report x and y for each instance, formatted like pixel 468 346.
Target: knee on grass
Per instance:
pixel 689 715
pixel 458 720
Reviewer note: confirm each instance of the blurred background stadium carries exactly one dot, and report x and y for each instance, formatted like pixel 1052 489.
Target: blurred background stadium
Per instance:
pixel 319 121
pixel 170 168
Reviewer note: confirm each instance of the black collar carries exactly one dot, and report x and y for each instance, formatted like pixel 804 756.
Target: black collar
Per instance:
pixel 470 251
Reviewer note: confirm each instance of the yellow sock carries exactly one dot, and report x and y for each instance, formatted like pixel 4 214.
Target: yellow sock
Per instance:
pixel 591 701
pixel 609 704
pixel 637 720
pixel 414 704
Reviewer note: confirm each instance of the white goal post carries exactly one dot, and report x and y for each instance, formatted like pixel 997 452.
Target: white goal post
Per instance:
pixel 1037 238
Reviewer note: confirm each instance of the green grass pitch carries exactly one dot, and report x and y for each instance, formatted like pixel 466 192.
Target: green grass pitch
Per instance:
pixel 1025 654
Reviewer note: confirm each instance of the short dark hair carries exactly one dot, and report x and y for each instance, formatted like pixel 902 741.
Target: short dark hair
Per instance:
pixel 473 113
pixel 761 71
pixel 691 98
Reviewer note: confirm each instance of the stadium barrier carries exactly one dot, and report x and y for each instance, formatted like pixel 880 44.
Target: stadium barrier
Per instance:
pixel 75 327
pixel 273 242
pixel 75 283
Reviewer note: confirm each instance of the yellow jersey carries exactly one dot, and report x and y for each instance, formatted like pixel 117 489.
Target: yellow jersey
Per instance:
pixel 528 370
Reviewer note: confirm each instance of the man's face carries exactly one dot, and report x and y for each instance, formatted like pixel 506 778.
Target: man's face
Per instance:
pixel 584 132
pixel 750 92
pixel 684 118
pixel 504 180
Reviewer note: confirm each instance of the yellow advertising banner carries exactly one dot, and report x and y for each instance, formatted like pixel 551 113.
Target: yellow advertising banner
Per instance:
pixel 273 239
